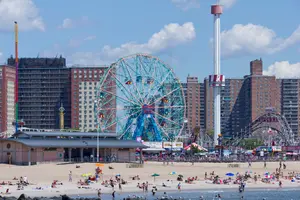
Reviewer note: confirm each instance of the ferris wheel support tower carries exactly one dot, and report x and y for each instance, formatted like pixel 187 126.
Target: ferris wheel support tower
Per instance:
pixel 217 80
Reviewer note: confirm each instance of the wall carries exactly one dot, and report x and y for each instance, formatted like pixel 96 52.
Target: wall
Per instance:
pixel 20 153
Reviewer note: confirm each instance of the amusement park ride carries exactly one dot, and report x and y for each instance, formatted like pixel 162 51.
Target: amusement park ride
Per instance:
pixel 140 98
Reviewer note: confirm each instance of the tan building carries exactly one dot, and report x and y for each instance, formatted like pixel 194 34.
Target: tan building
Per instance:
pixel 84 82
pixel 7 98
pixel 30 148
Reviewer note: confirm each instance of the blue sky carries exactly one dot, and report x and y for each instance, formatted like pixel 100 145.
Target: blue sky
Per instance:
pixel 178 31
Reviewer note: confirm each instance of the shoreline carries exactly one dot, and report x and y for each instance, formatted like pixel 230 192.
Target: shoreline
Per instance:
pixel 92 193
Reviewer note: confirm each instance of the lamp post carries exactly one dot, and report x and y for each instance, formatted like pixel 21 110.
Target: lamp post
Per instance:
pixel 97 145
pixel 98 129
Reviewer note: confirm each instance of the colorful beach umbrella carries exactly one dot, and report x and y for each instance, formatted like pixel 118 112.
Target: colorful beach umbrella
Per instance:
pixel 229 174
pixel 155 175
pixel 99 165
pixel 86 175
pixel 172 173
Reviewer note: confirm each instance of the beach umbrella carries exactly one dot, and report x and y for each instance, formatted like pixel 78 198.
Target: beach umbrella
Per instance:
pixel 99 165
pixel 155 175
pixel 180 175
pixel 172 173
pixel 86 175
pixel 229 174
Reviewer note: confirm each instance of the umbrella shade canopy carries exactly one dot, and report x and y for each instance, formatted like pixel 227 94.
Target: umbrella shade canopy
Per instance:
pixel 86 175
pixel 155 175
pixel 172 173
pixel 229 174
pixel 180 175
pixel 99 165
pixel 188 148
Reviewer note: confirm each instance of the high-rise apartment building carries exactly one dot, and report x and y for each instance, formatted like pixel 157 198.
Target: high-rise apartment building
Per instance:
pixel 229 105
pixel 290 101
pixel 7 97
pixel 195 105
pixel 193 102
pixel 44 85
pixel 209 106
pixel 259 92
pixel 84 82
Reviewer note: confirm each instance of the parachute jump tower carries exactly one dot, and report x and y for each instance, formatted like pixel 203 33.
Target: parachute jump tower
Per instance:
pixel 16 81
pixel 217 80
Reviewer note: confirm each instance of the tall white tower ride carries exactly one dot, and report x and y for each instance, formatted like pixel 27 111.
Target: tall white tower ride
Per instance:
pixel 217 80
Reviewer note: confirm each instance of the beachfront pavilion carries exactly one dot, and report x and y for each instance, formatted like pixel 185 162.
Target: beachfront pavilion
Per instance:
pixel 27 148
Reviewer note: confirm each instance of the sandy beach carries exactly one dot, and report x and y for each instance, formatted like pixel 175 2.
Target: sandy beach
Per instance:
pixel 44 174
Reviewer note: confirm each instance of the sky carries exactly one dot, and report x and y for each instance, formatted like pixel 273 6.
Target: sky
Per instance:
pixel 179 32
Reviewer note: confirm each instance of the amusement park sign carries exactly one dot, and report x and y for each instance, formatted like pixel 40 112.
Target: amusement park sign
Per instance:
pixel 175 145
pixel 154 145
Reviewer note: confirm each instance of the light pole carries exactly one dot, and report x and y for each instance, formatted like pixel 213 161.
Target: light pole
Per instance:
pixel 98 129
pixel 97 145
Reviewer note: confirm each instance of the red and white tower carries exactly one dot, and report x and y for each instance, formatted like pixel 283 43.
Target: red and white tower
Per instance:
pixel 217 80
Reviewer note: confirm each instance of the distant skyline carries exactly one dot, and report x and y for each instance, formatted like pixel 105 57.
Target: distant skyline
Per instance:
pixel 177 31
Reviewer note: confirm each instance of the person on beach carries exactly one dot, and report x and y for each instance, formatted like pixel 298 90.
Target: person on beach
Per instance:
pixel 99 193
pixel 153 191
pixel 179 187
pixel 280 165
pixel 265 164
pixel 280 184
pixel 113 194
pixel 146 186
pixel 70 176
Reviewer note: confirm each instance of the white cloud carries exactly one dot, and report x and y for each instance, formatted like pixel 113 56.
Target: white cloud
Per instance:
pixel 254 39
pixel 70 23
pixel 227 3
pixel 171 35
pixel 91 37
pixel 186 4
pixel 79 42
pixel 67 23
pixel 24 12
pixel 284 69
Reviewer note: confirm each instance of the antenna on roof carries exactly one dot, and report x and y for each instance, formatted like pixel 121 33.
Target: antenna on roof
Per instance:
pixel 54 60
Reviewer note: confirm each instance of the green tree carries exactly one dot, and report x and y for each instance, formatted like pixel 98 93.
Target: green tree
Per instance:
pixel 251 143
pixel 196 133
pixel 210 132
pixel 194 149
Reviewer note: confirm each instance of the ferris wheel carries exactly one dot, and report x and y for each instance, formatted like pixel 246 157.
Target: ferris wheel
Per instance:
pixel 140 98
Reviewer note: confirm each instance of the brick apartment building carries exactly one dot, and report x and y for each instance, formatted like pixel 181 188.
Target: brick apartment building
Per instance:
pixel 195 105
pixel 258 93
pixel 7 97
pixel 84 82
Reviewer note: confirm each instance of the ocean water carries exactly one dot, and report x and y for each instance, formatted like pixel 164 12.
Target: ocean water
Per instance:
pixel 249 194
